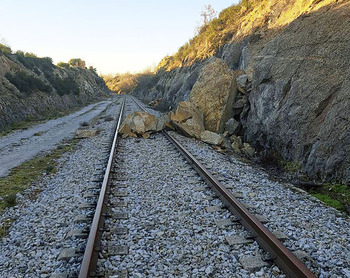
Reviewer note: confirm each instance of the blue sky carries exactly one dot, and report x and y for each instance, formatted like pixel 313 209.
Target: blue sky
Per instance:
pixel 113 36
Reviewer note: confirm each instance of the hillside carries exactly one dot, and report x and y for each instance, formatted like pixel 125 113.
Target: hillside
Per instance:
pixel 291 62
pixel 33 88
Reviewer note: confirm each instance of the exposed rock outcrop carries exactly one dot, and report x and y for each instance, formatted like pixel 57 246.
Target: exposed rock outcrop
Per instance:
pixel 300 98
pixel 33 88
pixel 293 79
pixel 232 127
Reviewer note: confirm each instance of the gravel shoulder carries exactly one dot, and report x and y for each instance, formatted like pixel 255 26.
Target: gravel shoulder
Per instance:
pixel 320 234
pixel 21 146
pixel 38 233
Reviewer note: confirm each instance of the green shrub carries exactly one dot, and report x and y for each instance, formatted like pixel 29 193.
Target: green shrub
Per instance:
pixel 5 49
pixel 49 168
pixel 84 124
pixel 77 62
pixel 65 85
pixel 27 83
pixel 31 61
pixel 10 200
pixel 93 70
pixel 328 200
pixel 63 65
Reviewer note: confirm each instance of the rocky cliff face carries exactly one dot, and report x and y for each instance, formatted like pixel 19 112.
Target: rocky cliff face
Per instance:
pixel 33 88
pixel 293 87
pixel 300 98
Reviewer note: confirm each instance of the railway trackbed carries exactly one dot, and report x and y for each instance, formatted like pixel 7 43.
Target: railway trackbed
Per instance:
pixel 161 218
pixel 142 226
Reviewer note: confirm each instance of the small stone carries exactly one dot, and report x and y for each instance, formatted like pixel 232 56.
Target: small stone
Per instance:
pixel 118 250
pixel 213 209
pixel 280 235
pixel 237 239
pixel 300 254
pixel 120 215
pixel 252 263
pixel 67 254
pixel 221 223
pixel 86 133
pixel 248 150
pixel 209 270
pixel 262 218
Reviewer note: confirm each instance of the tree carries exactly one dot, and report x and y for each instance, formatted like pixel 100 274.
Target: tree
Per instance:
pixel 77 62
pixel 207 14
pixel 93 70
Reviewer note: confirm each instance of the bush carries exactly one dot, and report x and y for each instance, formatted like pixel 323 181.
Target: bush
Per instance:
pixel 31 61
pixel 93 70
pixel 77 62
pixel 27 83
pixel 84 124
pixel 10 200
pixel 127 82
pixel 109 118
pixel 65 85
pixel 5 49
pixel 63 65
pixel 49 168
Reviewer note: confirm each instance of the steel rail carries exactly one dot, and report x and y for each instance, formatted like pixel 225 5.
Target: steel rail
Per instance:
pixel 89 263
pixel 283 258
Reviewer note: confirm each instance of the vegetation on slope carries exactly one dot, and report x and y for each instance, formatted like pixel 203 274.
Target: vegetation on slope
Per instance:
pixel 236 22
pixel 125 83
pixel 44 66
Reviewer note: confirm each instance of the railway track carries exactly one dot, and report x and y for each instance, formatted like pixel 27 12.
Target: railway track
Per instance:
pixel 114 182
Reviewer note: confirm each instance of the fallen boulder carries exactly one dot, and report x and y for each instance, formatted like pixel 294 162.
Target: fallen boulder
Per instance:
pixel 211 138
pixel 138 123
pixel 214 94
pixel 187 119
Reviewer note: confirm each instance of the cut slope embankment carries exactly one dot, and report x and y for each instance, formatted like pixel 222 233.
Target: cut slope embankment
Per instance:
pixel 294 63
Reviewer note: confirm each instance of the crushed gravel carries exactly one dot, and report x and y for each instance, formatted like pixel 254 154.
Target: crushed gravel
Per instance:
pixel 38 233
pixel 319 233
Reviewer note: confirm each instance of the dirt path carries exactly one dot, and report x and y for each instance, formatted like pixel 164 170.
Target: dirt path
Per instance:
pixel 23 145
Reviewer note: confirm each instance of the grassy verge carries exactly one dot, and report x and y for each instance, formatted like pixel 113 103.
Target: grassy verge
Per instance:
pixel 334 195
pixel 23 176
